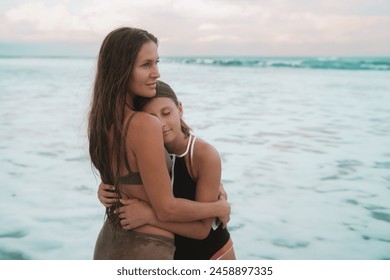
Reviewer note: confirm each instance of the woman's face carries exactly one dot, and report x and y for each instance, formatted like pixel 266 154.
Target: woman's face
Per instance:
pixel 145 71
pixel 169 115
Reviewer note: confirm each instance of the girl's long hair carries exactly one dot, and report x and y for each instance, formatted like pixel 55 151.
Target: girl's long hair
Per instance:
pixel 107 109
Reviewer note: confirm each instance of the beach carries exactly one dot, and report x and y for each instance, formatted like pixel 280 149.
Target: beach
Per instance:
pixel 304 144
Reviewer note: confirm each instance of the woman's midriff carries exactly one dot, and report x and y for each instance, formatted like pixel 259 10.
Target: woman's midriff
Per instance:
pixel 138 192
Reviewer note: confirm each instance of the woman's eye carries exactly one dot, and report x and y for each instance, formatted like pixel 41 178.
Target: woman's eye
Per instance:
pixel 146 65
pixel 166 113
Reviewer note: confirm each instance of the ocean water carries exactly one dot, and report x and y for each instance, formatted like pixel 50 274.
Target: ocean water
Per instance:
pixel 304 144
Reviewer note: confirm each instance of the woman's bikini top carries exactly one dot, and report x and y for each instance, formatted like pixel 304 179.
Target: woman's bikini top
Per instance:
pixel 134 178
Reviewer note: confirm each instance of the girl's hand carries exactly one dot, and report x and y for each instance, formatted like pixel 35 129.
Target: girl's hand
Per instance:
pixel 135 213
pixel 106 194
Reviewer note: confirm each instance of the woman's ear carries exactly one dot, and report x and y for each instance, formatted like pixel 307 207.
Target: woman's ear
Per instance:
pixel 180 107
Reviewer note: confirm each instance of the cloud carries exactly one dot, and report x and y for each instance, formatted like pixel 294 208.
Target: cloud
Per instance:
pixel 246 26
pixel 46 18
pixel 41 21
pixel 212 38
pixel 208 26
pixel 206 9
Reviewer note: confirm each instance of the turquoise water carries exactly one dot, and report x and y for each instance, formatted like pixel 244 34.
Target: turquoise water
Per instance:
pixel 342 63
pixel 305 150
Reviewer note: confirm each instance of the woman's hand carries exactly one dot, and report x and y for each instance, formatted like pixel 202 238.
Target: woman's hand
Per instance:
pixel 135 213
pixel 222 193
pixel 225 218
pixel 106 194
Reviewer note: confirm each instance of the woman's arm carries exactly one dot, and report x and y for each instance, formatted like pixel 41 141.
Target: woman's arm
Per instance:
pixel 107 196
pixel 207 171
pixel 147 146
pixel 145 215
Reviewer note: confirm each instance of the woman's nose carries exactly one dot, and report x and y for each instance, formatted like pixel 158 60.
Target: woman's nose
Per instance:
pixel 156 73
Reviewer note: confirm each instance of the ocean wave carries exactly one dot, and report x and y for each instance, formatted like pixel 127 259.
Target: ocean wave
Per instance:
pixel 342 63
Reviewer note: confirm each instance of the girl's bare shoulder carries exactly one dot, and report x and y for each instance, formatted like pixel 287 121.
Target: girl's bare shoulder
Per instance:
pixel 204 151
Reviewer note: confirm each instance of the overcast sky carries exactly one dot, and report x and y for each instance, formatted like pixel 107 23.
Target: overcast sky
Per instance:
pixel 205 27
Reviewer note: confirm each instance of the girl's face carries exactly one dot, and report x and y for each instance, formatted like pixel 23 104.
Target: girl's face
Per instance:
pixel 145 71
pixel 169 114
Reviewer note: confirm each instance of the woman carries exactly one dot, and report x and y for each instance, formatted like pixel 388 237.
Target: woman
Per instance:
pixel 196 175
pixel 126 148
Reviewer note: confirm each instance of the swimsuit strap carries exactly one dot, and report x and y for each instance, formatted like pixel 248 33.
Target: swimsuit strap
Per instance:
pixel 125 133
pixel 192 151
pixel 190 145
pixel 190 148
pixel 187 149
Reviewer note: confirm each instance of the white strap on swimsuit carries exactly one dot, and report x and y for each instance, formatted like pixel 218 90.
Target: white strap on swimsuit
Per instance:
pixel 190 147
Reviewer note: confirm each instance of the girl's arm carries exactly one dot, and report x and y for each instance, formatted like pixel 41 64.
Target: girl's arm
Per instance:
pixel 106 194
pixel 147 146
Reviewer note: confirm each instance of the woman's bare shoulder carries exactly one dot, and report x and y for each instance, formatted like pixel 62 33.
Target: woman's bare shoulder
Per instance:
pixel 144 122
pixel 144 131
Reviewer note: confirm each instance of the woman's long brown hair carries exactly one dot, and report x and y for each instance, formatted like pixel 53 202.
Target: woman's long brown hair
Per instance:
pixel 107 110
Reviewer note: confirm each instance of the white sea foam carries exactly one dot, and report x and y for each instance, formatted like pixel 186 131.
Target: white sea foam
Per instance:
pixel 305 153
